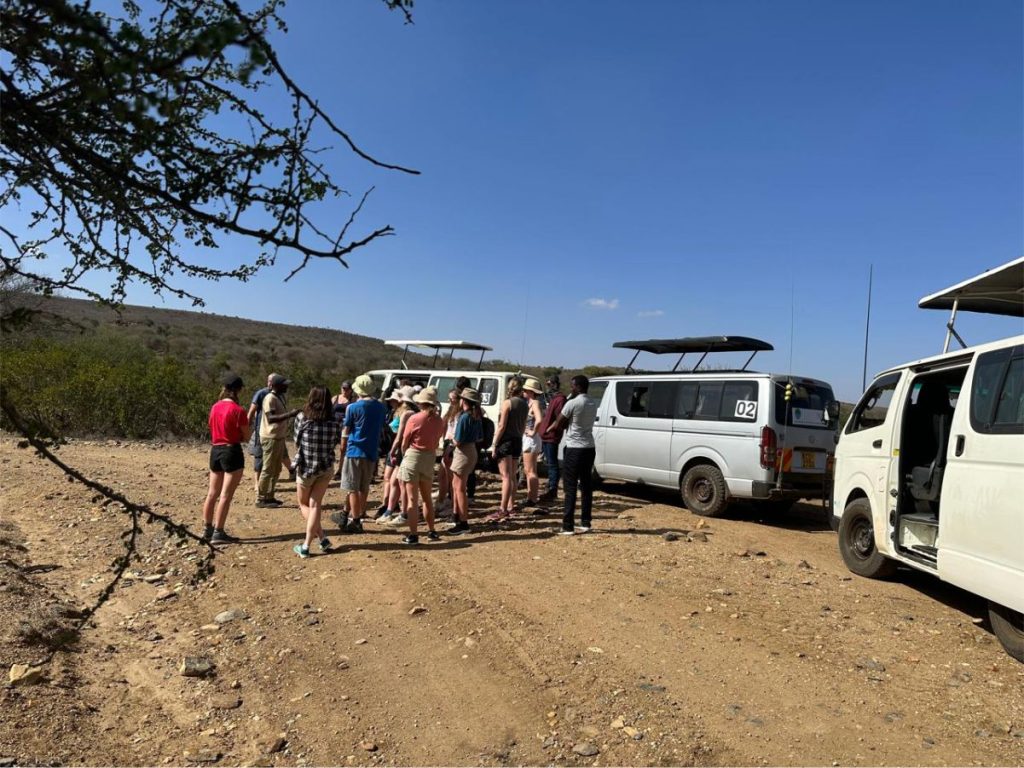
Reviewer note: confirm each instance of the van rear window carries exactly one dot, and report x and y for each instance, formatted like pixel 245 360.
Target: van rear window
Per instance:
pixel 807 407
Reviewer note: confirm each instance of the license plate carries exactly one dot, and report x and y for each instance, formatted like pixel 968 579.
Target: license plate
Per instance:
pixel 808 459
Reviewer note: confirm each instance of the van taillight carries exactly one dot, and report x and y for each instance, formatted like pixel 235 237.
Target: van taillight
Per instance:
pixel 769 445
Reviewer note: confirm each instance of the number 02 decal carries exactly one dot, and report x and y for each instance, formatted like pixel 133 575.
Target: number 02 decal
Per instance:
pixel 746 409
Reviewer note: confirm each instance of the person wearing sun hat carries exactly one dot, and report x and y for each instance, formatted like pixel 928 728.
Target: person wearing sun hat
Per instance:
pixel 468 432
pixel 360 440
pixel 532 391
pixel 420 438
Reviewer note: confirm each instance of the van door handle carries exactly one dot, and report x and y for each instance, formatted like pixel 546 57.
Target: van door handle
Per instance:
pixel 959 445
pixel 613 421
pixel 877 443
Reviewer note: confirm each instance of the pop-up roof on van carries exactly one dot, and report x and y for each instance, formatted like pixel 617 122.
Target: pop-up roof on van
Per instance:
pixel 998 291
pixel 703 344
pixel 437 346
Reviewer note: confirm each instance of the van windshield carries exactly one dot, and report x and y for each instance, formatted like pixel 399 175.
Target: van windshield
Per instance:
pixel 807 407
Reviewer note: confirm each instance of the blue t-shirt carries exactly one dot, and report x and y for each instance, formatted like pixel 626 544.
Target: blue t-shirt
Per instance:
pixel 468 429
pixel 364 420
pixel 257 400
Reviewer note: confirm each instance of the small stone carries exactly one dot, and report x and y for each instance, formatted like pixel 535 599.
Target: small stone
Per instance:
pixel 202 756
pixel 893 717
pixel 277 745
pixel 417 609
pixel 670 536
pixel 361 641
pixel 210 627
pixel 618 724
pixel 8 762
pixel 236 684
pixel 153 578
pixel 982 733
pixel 196 666
pixel 23 674
pixel 368 746
pixel 698 536
pixel 742 553
pixel 225 617
pixel 702 523
pixel 312 621
pixel 586 748
pixel 166 594
pixel 549 742
pixel 632 732
pixel 871 664
pixel 226 701
pixel 595 649
pixel 469 642
pixel 804 564
pixel 652 688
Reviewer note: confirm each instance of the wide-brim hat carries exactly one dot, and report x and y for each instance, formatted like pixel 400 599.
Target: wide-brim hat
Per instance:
pixel 364 386
pixel 534 386
pixel 471 395
pixel 407 393
pixel 428 395
pixel 395 395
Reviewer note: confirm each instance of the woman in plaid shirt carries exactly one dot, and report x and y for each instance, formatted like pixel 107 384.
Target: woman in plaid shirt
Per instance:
pixel 317 438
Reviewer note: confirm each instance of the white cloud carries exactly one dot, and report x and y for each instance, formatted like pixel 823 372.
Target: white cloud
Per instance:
pixel 650 313
pixel 602 303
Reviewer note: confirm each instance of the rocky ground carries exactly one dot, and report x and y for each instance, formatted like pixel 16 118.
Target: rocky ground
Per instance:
pixel 660 638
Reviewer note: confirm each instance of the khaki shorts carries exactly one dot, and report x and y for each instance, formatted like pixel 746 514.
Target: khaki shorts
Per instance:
pixel 417 466
pixel 309 482
pixel 464 461
pixel 356 474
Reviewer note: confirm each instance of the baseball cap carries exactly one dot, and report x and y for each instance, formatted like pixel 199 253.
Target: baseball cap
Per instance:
pixel 278 380
pixel 231 380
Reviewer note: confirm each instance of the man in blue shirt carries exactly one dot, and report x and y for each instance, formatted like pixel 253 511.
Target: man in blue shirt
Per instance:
pixel 360 442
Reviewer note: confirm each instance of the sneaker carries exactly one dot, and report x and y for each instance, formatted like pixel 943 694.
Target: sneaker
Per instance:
pixel 382 510
pixel 269 503
pixel 208 532
pixel 221 537
pixel 355 525
pixel 567 533
pixel 583 528
pixel 411 539
pixel 383 519
pixel 340 519
pixel 549 496
pixel 397 521
pixel 434 536
pixel 461 527
pixel 301 551
pixel 325 544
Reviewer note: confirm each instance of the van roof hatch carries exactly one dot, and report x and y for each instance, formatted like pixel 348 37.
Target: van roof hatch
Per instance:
pixel 703 344
pixel 998 291
pixel 438 346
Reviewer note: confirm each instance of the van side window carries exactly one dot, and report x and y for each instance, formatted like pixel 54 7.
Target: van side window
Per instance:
pixel 686 400
pixel 709 398
pixel 739 401
pixel 873 407
pixel 488 391
pixel 997 392
pixel 661 403
pixel 596 390
pixel 631 397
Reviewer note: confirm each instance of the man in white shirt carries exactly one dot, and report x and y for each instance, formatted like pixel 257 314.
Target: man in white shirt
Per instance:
pixel 577 419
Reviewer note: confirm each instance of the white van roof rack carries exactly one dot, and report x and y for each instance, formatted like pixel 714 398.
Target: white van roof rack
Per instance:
pixel 437 346
pixel 998 291
pixel 703 344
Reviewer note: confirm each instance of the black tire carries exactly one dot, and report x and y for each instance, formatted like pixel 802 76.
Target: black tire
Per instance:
pixel 857 543
pixel 704 490
pixel 1008 626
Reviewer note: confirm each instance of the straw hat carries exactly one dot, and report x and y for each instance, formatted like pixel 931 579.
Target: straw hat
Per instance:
pixel 406 394
pixel 396 395
pixel 428 395
pixel 471 395
pixel 364 386
pixel 534 386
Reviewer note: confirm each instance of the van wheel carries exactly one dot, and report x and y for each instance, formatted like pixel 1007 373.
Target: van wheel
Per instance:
pixel 704 491
pixel 857 543
pixel 1008 625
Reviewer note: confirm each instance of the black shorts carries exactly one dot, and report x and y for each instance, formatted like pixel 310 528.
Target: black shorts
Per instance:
pixel 510 446
pixel 226 458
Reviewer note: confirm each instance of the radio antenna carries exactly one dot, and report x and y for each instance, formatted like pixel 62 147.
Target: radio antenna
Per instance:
pixel 867 328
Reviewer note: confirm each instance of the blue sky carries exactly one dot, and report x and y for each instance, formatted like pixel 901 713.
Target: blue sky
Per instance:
pixel 596 171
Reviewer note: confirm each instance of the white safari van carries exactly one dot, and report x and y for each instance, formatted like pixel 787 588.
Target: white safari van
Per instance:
pixel 715 435
pixel 930 466
pixel 491 385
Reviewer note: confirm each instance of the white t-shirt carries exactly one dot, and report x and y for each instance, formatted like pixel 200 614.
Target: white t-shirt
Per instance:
pixel 581 413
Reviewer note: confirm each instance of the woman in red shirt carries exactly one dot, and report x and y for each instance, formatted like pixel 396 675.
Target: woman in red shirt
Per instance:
pixel 229 429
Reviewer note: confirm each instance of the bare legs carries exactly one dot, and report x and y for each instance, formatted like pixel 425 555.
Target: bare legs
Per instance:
pixel 311 506
pixel 413 491
pixel 532 478
pixel 507 468
pixel 218 498
pixel 460 498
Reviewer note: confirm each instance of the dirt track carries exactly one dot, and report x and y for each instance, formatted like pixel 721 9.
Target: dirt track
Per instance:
pixel 755 646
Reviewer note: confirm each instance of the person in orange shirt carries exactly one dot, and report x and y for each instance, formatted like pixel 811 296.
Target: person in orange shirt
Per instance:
pixel 423 433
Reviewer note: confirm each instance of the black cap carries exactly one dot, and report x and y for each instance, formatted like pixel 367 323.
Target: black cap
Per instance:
pixel 231 380
pixel 277 380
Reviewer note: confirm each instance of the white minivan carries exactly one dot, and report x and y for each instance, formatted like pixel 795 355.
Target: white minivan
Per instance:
pixel 929 468
pixel 715 435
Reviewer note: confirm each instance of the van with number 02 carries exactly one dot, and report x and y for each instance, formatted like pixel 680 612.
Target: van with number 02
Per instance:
pixel 715 436
pixel 929 470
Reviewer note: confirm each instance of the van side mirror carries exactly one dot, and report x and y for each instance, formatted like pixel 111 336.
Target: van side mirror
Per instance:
pixel 832 409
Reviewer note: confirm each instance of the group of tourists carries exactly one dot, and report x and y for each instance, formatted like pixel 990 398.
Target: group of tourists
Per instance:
pixel 417 438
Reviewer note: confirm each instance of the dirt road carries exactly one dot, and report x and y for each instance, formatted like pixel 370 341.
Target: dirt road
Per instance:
pixel 742 642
